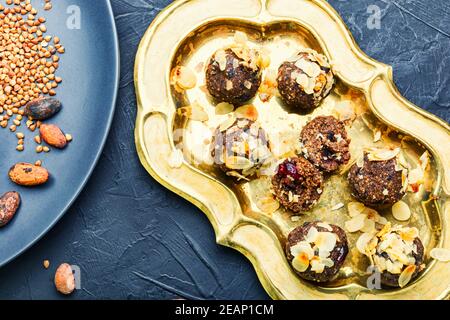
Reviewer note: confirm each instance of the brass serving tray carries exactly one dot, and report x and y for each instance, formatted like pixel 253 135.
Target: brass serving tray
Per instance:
pixel 187 33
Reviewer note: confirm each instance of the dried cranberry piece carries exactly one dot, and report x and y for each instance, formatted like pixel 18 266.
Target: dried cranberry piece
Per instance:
pixel 288 169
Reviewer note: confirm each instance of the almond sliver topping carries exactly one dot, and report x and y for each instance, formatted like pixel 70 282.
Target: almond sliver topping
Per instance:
pixel 355 224
pixel 363 241
pixel 406 275
pixel 224 108
pixel 325 241
pixel 302 247
pixel 300 262
pixel 325 225
pixel 440 254
pixel 227 124
pixel 355 208
pixel 382 154
pixel 401 211
pixel 238 163
pixel 248 112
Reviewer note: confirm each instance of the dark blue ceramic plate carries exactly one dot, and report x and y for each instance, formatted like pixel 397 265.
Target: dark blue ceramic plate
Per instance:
pixel 90 72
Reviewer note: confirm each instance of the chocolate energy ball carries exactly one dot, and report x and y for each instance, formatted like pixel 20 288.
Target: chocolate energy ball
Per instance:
pixel 240 147
pixel 326 143
pixel 397 252
pixel 305 80
pixel 317 250
pixel 297 184
pixel 233 75
pixel 375 182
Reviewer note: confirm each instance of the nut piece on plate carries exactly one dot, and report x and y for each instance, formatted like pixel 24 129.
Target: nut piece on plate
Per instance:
pixel 233 74
pixel 297 184
pixel 240 147
pixel 326 143
pixel 379 180
pixel 28 175
pixel 397 252
pixel 317 250
pixel 305 80
pixel 42 108
pixel 53 136
pixel 9 204
pixel 65 279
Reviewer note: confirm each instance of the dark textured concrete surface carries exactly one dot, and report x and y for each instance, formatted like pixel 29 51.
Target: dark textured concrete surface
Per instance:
pixel 135 240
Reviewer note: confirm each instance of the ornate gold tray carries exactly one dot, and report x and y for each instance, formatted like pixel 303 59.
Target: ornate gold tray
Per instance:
pixel 187 33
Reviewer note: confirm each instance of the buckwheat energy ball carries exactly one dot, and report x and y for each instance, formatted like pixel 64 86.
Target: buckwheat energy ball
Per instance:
pixel 326 143
pixel 297 184
pixel 305 80
pixel 397 252
pixel 240 147
pixel 379 180
pixel 233 74
pixel 317 250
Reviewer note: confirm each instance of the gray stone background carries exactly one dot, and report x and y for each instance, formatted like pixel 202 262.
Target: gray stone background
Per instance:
pixel 135 240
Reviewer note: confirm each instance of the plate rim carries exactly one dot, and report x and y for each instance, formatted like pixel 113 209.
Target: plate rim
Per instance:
pixel 109 120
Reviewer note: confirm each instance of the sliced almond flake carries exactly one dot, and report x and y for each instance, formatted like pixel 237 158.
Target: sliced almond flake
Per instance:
pixel 317 266
pixel 221 58
pixel 385 230
pixel 401 211
pixel 303 65
pixel 369 226
pixel 355 208
pixel 229 85
pixel 355 224
pixel 323 60
pixel 311 235
pixel 176 159
pixel 325 241
pixel 310 88
pixel 242 123
pixel 238 163
pixel 405 181
pixel 295 218
pixel 337 206
pixel 264 59
pixel 360 162
pixel 302 247
pixel 406 275
pixel 440 254
pixel 302 79
pixel 237 175
pixel 197 113
pixel 402 161
pixel 409 234
pixel 416 176
pixel 377 136
pixel 424 160
pixel 300 263
pixel 247 111
pixel 345 110
pixel 247 84
pixel 382 154
pixel 224 108
pixel 184 77
pixel 379 262
pixel 227 124
pixel 325 225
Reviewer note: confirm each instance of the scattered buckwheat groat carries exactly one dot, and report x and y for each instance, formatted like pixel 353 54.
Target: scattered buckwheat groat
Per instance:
pixel 29 58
